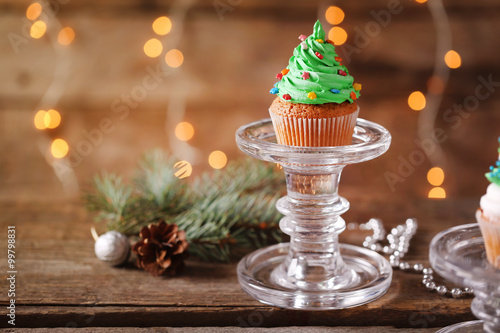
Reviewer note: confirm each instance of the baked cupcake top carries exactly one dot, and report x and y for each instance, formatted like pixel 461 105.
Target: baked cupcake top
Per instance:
pixel 315 74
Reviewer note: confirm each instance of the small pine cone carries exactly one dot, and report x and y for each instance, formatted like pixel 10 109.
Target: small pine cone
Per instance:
pixel 162 249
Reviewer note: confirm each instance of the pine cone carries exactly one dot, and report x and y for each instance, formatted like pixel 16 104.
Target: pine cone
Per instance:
pixel 162 249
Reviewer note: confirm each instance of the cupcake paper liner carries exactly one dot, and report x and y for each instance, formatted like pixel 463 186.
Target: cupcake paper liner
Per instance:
pixel 491 235
pixel 314 132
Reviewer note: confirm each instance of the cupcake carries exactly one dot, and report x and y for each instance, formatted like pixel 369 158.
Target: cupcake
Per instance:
pixel 315 104
pixel 488 215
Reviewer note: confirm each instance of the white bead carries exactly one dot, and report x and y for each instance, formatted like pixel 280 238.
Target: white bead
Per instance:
pixel 456 292
pixel 431 286
pixel 427 270
pixel 112 247
pixel 404 266
pixel 441 290
pixel 304 46
pixel 418 267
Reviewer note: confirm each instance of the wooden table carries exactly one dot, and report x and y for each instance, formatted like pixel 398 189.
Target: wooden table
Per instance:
pixel 60 283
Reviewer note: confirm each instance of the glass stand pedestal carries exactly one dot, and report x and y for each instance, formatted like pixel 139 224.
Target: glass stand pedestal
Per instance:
pixel 314 271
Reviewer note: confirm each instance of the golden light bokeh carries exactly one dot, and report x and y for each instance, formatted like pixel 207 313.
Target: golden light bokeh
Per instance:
pixel 59 148
pixel 174 58
pixel 38 29
pixel 66 36
pixel 217 159
pixel 437 193
pixel 337 35
pixel 452 59
pixel 52 119
pixel 334 15
pixel 421 1
pixel 416 101
pixel 184 131
pixel 34 10
pixel 153 48
pixel 162 25
pixel 40 119
pixel 184 169
pixel 435 176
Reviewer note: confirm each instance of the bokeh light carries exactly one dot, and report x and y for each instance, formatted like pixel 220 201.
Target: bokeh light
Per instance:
pixel 334 15
pixel 452 59
pixel 217 159
pixel 66 36
pixel 184 169
pixel 52 119
pixel 435 176
pixel 162 25
pixel 421 1
pixel 34 10
pixel 437 193
pixel 184 131
pixel 38 29
pixel 416 101
pixel 337 35
pixel 174 58
pixel 59 148
pixel 153 48
pixel 40 120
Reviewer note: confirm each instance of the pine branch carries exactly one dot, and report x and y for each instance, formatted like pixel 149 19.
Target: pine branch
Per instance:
pixel 225 213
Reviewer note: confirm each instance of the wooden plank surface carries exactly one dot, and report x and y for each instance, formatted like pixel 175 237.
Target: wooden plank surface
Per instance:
pixel 61 281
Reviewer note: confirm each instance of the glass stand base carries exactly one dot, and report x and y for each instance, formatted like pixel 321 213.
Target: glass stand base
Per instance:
pixel 367 277
pixel 475 326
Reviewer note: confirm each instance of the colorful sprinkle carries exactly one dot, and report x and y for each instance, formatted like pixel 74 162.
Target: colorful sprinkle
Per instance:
pixel 305 75
pixel 343 73
pixel 338 59
pixel 287 97
pixel 335 91
pixel 319 55
pixel 357 86
pixel 285 71
pixel 304 46
pixel 274 91
pixel 311 95
pixel 319 40
pixel 353 95
pixel 330 42
pixel 279 76
pixel 302 37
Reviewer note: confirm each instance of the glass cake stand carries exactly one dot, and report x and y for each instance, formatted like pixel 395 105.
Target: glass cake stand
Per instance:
pixel 314 271
pixel 458 254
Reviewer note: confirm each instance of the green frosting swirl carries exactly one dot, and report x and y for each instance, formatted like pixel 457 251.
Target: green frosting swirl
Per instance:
pixel 494 175
pixel 324 78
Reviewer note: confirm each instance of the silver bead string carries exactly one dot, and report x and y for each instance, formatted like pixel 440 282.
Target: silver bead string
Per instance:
pixel 398 244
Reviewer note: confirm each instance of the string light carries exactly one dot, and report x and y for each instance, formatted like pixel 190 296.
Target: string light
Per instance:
pixel 184 169
pixel 153 48
pixel 66 36
pixel 59 148
pixel 184 131
pixel 435 176
pixel 416 101
pixel 217 159
pixel 437 193
pixel 40 120
pixel 421 1
pixel 337 35
pixel 33 11
pixel 452 59
pixel 38 29
pixel 334 15
pixel 174 58
pixel 52 119
pixel 162 25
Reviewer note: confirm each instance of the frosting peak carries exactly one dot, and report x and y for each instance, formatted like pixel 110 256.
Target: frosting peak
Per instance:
pixel 315 74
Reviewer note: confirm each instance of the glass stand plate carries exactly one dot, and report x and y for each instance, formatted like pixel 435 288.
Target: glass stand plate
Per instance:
pixel 369 278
